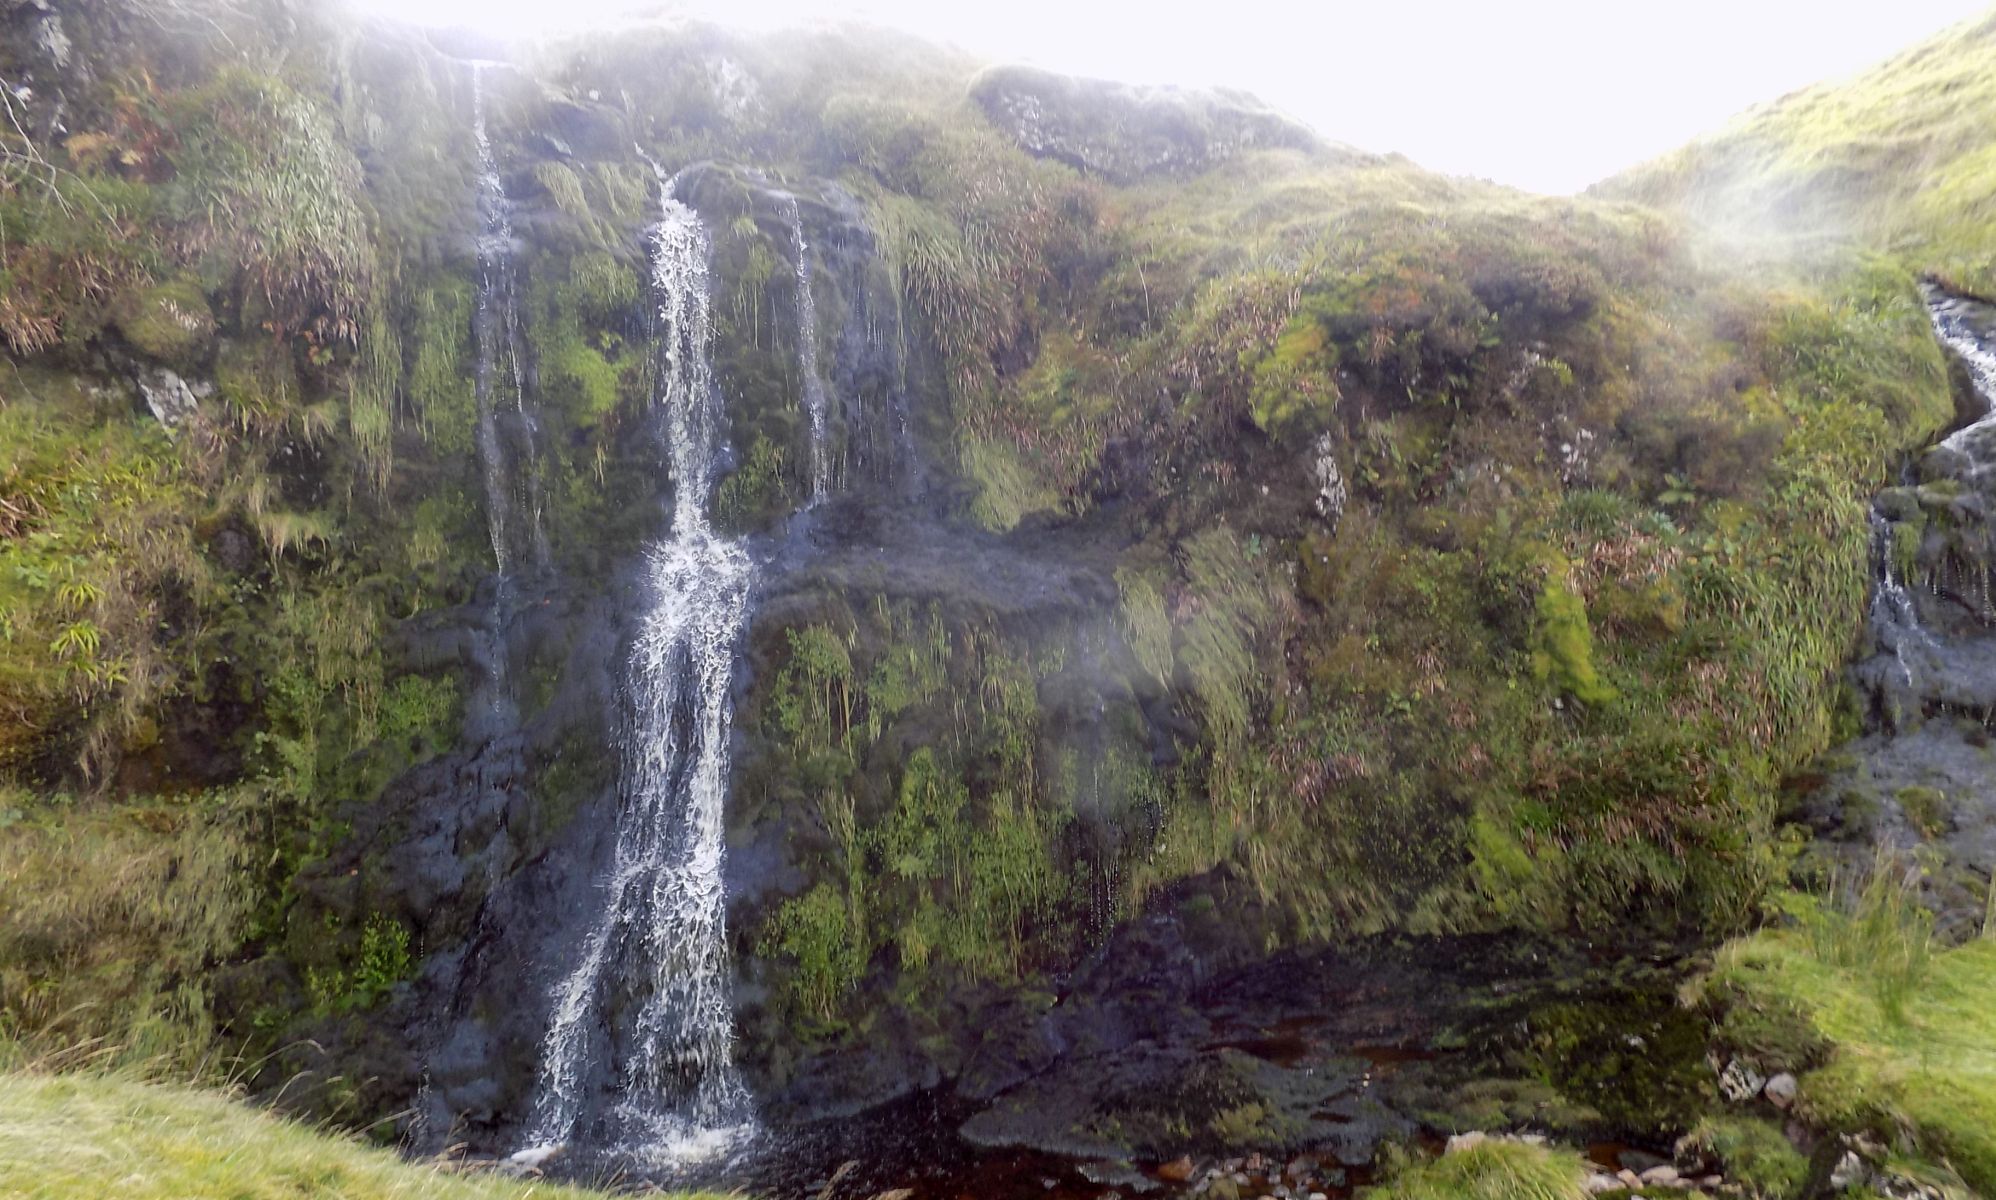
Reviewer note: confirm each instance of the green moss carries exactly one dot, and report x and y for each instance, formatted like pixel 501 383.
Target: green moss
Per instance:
pixel 1925 808
pixel 1563 645
pixel 1753 1152
pixel 1635 1058
pixel 603 290
pixel 259 385
pixel 169 322
pixel 1293 382
pixel 593 376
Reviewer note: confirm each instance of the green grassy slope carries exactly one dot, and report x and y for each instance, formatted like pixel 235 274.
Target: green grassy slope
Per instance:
pixel 75 1136
pixel 1900 157
pixel 1889 1036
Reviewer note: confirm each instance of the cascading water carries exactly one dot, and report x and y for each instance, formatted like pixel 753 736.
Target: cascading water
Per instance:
pixel 1953 321
pixel 496 331
pixel 807 359
pixel 1894 617
pixel 646 1010
pixel 1919 778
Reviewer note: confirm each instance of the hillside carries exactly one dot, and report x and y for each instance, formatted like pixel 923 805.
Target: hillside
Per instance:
pixel 1898 157
pixel 776 573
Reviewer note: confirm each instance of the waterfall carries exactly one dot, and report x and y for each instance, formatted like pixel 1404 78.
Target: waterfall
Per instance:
pixel 496 332
pixel 1951 318
pixel 807 358
pixel 646 1008
pixel 1894 617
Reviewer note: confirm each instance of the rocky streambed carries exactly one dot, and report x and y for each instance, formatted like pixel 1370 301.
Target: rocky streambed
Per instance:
pixel 1163 1072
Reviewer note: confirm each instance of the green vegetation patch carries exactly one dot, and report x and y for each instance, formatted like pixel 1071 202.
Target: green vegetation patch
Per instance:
pixel 169 321
pixel 111 920
pixel 67 1137
pixel 1907 1035
pixel 1490 1170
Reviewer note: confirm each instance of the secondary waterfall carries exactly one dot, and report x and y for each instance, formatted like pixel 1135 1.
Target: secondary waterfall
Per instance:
pixel 643 1021
pixel 1953 321
pixel 807 359
pixel 1919 778
pixel 495 324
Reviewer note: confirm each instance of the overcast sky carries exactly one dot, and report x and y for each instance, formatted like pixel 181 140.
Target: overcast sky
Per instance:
pixel 1548 95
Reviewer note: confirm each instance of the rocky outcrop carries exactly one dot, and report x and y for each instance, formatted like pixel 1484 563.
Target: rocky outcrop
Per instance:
pixel 1125 133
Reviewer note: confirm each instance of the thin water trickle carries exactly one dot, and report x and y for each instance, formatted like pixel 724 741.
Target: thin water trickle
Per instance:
pixel 647 1006
pixel 496 331
pixel 807 358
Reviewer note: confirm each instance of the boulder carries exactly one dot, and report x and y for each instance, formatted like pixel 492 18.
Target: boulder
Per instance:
pixel 1780 1090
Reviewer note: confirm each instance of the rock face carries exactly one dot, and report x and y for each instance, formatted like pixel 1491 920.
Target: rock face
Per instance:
pixel 1125 133
pixel 1330 481
pixel 171 399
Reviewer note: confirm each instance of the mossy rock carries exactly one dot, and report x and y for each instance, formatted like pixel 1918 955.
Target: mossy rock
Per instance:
pixel 1563 646
pixel 169 322
pixel 1926 810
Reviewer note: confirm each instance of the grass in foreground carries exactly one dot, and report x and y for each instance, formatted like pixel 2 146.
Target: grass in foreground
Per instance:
pixel 87 1136
pixel 1912 1053
pixel 1490 1171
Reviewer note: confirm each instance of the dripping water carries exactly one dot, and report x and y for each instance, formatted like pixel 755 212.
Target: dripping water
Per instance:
pixel 807 357
pixel 496 331
pixel 643 1020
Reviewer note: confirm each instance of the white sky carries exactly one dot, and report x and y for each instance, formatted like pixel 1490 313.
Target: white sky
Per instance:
pixel 1548 95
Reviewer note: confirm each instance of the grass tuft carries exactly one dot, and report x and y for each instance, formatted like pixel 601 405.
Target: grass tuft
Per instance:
pixel 1493 1170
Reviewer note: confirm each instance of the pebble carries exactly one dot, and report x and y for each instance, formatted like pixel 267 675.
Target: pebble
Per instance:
pixel 1598 1183
pixel 1663 1176
pixel 1465 1141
